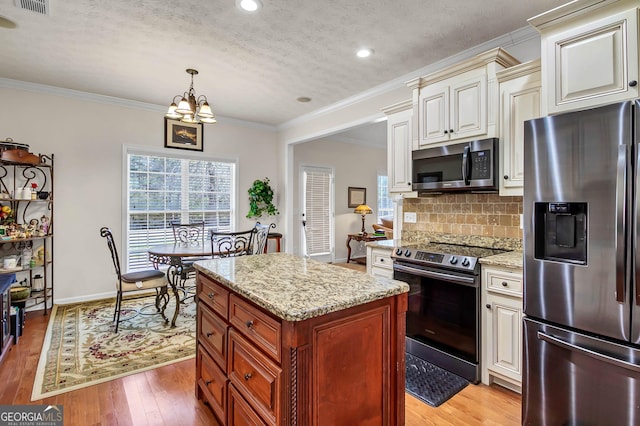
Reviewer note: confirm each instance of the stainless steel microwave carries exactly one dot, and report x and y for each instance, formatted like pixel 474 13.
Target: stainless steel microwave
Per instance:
pixel 468 166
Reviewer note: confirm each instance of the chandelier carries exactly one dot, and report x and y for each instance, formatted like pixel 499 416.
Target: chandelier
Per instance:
pixel 191 109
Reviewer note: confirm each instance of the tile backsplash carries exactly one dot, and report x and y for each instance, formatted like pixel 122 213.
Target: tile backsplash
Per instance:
pixel 487 215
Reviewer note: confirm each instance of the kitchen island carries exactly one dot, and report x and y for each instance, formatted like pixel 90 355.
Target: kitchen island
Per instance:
pixel 285 340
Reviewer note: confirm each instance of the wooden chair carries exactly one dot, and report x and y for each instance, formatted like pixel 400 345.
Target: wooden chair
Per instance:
pixel 261 237
pixel 136 281
pixel 235 243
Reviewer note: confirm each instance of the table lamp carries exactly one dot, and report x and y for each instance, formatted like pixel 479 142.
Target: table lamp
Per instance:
pixel 363 209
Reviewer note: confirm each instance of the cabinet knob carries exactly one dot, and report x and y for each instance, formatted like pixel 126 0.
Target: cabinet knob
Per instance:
pixel 506 177
pixel 450 130
pixel 381 260
pixel 209 334
pixel 505 284
pixel 409 183
pixel 633 83
pixel 488 306
pixel 249 324
pixel 446 131
pixel 247 376
pixel 211 295
pixel 208 382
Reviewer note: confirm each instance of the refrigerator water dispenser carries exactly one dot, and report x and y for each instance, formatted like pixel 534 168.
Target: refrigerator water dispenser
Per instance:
pixel 561 232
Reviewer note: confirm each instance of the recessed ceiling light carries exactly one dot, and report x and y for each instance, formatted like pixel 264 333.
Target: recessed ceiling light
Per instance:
pixel 249 5
pixel 7 23
pixel 364 53
pixel 303 99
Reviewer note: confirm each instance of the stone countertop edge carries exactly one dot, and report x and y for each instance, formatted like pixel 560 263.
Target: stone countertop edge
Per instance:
pixel 511 259
pixel 295 288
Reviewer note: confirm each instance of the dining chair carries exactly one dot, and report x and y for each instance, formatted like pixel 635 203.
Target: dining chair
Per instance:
pixel 261 237
pixel 232 243
pixel 137 281
pixel 188 233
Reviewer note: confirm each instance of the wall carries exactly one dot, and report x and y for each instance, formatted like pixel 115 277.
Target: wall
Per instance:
pixel 354 165
pixel 87 138
pixel 487 215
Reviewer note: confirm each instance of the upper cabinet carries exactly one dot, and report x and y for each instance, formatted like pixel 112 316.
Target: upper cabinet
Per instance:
pixel 589 54
pixel 399 128
pixel 460 102
pixel 520 89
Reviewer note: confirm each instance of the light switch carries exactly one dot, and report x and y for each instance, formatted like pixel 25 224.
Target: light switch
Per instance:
pixel 410 217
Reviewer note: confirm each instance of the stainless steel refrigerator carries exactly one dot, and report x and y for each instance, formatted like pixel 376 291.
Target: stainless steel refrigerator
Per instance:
pixel 582 268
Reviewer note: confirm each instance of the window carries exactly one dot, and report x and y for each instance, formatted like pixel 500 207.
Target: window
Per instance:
pixel 164 189
pixel 385 205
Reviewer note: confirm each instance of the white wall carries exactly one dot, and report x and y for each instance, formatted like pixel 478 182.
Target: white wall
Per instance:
pixel 354 165
pixel 87 139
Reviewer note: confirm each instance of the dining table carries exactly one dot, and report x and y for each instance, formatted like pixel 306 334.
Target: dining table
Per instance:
pixel 173 254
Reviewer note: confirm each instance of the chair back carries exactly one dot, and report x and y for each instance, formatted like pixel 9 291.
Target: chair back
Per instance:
pixel 188 232
pixel 106 233
pixel 261 237
pixel 229 244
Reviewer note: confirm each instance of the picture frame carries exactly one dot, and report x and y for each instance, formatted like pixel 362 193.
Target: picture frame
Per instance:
pixel 356 196
pixel 181 135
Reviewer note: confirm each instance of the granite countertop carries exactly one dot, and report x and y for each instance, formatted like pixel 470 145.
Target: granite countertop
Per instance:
pixel 510 259
pixel 296 288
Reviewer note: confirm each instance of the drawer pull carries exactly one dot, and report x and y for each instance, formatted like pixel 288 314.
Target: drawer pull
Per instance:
pixel 249 324
pixel 382 260
pixel 211 295
pixel 211 333
pixel 208 382
pixel 488 306
pixel 505 284
pixel 247 376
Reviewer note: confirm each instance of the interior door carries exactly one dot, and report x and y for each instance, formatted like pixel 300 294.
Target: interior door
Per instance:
pixel 317 207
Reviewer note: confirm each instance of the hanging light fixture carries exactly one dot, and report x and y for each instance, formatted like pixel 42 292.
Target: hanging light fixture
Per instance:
pixel 191 109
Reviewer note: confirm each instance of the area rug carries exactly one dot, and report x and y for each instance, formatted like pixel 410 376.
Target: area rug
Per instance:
pixel 80 348
pixel 431 383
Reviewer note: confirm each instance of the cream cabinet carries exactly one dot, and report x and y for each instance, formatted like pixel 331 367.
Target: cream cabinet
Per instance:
pixel 589 54
pixel 520 91
pixel 379 262
pixel 460 102
pixel 502 326
pixel 454 109
pixel 399 125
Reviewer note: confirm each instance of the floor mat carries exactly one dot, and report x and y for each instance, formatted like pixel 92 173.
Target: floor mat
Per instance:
pixel 431 383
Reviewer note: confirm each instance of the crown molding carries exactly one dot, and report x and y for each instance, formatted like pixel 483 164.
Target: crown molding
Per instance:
pixel 505 41
pixel 112 100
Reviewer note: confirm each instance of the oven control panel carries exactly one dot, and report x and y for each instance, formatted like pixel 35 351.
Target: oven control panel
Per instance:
pixel 430 258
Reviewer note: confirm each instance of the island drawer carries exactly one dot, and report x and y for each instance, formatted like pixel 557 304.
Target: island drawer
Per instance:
pixel 213 385
pixel 214 295
pixel 256 377
pixel 261 329
pixel 213 335
pixel 502 281
pixel 240 412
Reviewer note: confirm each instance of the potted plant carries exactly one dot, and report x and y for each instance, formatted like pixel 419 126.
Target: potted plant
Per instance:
pixel 261 199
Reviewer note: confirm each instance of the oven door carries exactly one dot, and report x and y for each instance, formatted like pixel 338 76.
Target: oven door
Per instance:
pixel 443 309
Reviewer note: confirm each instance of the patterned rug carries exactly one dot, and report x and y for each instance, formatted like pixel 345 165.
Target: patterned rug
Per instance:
pixel 80 348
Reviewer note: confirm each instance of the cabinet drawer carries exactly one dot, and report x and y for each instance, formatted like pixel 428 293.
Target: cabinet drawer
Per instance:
pixel 240 413
pixel 255 376
pixel 504 282
pixel 214 295
pixel 261 329
pixel 213 384
pixel 213 335
pixel 381 258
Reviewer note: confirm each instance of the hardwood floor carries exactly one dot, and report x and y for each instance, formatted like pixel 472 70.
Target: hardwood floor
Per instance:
pixel 166 395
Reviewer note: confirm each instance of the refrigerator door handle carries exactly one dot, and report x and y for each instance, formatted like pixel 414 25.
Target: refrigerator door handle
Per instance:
pixel 588 352
pixel 621 188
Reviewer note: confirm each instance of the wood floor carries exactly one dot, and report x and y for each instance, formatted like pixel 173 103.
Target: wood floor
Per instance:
pixel 166 396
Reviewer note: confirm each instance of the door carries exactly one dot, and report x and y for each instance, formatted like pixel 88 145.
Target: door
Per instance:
pixel 434 114
pixel 582 158
pixel 468 107
pixel 574 379
pixel 317 207
pixel 399 127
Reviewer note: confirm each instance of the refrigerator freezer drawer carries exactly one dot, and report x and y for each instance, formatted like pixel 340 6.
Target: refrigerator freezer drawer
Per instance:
pixel 571 378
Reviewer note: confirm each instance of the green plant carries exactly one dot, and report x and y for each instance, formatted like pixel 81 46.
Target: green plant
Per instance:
pixel 261 199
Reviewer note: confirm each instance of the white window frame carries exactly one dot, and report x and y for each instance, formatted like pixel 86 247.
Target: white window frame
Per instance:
pixel 179 154
pixel 379 196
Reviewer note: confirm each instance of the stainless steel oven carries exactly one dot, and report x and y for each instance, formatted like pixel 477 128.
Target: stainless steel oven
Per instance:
pixel 443 316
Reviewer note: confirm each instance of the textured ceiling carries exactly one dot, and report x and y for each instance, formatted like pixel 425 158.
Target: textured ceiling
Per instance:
pixel 252 66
